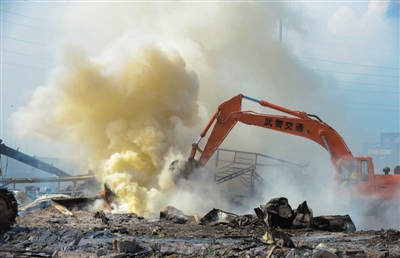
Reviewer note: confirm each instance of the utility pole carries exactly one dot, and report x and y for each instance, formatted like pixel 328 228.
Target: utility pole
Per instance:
pixel 280 22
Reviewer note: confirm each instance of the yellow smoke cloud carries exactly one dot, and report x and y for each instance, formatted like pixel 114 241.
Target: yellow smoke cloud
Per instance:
pixel 127 117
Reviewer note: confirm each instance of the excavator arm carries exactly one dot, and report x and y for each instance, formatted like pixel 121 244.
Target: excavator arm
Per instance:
pixel 296 123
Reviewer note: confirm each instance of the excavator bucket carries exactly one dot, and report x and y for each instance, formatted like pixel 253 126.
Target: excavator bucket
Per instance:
pixel 181 170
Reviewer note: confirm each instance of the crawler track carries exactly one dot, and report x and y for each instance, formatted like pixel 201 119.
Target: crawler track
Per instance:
pixel 8 209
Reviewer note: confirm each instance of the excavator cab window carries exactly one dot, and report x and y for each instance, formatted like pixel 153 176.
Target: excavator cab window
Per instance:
pixel 364 170
pixel 348 172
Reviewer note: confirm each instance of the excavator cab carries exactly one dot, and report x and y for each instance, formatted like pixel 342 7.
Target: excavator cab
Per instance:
pixel 348 172
pixel 355 177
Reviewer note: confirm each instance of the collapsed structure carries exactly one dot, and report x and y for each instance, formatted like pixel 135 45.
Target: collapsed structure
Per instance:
pixel 8 202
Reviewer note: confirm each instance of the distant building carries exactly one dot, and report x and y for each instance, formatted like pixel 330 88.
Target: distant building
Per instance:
pixel 390 138
pixel 385 153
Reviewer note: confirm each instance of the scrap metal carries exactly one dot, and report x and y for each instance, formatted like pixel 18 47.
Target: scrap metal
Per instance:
pixel 29 160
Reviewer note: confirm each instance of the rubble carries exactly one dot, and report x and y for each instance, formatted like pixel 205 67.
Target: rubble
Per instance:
pixel 173 214
pixel 278 213
pixel 334 223
pixel 322 251
pixel 304 216
pixel 217 216
pixel 124 245
pixel 61 208
pixel 47 232
pixel 42 201
pixel 101 215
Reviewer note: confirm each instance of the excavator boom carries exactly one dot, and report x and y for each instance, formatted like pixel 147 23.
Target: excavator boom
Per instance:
pixel 298 123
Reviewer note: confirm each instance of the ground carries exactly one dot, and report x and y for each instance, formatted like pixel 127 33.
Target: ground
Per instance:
pixel 46 232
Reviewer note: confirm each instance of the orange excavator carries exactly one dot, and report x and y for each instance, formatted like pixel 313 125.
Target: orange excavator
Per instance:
pixel 354 176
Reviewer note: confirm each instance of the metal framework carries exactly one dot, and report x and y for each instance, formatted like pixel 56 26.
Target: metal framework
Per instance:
pixel 243 166
pixel 73 179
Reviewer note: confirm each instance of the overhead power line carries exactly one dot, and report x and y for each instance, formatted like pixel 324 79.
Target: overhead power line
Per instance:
pixel 363 83
pixel 366 74
pixel 38 3
pixel 338 62
pixel 337 36
pixel 18 53
pixel 340 45
pixel 30 17
pixel 30 67
pixel 369 104
pixel 370 109
pixel 19 24
pixel 387 92
pixel 23 40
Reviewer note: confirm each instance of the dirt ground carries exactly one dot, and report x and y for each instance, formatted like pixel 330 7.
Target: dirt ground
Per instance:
pixel 46 232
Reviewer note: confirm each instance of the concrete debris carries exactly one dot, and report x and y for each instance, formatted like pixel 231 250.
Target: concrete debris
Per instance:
pixel 291 254
pixel 61 208
pixel 281 239
pixel 170 211
pixel 322 251
pixel 196 217
pixel 75 242
pixel 275 236
pixel 217 216
pixel 124 245
pixel 101 252
pixel 47 232
pixel 173 214
pixel 101 215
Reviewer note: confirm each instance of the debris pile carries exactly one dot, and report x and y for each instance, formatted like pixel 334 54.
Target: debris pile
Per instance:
pixel 278 213
pixel 275 230
pixel 173 214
